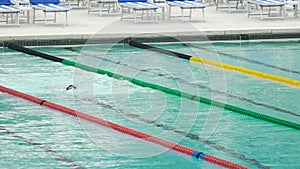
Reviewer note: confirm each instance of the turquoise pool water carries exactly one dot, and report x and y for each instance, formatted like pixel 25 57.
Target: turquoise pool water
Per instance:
pixel 42 138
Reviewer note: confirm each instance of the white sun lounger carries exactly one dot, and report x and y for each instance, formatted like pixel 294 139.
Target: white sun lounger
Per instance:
pixel 232 5
pixel 6 7
pixel 279 4
pixel 138 5
pixel 112 7
pixel 49 6
pixel 186 4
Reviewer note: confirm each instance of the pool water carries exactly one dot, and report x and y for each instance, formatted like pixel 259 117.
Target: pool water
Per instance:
pixel 37 137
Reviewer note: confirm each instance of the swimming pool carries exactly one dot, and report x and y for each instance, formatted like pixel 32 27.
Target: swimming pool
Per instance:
pixel 44 138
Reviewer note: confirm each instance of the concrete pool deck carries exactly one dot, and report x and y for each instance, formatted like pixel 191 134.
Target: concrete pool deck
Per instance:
pixel 84 26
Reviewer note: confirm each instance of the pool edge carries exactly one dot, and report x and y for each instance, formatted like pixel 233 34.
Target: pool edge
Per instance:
pixel 217 35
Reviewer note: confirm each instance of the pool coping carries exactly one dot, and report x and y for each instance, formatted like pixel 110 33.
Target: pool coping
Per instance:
pixel 213 35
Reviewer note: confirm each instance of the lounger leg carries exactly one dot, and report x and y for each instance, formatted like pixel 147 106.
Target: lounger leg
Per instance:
pixel 113 7
pixel 100 8
pixel 89 6
pixel 163 13
pixel 148 14
pixel 203 14
pixel 296 10
pixel 182 15
pixel 6 18
pixel 170 11
pixel 283 12
pixel 55 17
pixel 155 14
pixel 249 9
pixel 28 16
pixel 12 17
pixel 67 18
pixel 121 13
pixel 45 18
pixel 191 13
pixel 261 13
pixel 134 11
pixel 17 17
pixel 117 7
pixel 33 19
pixel 108 7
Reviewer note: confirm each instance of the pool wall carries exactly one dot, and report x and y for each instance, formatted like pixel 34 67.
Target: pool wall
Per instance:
pixel 148 38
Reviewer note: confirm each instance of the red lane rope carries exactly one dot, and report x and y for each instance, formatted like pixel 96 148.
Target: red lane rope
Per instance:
pixel 125 130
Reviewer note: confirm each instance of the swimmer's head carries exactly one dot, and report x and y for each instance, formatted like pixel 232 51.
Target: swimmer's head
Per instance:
pixel 71 87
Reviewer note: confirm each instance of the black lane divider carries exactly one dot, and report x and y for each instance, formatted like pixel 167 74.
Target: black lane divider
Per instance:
pixel 183 133
pixel 243 59
pixel 57 156
pixel 155 49
pixel 35 53
pixel 193 84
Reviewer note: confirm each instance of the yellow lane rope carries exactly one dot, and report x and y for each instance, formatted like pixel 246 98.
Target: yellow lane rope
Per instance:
pixel 247 71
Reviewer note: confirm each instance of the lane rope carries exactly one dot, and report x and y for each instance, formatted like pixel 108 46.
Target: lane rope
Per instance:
pixel 161 88
pixel 186 134
pixel 217 64
pixel 190 83
pixel 243 59
pixel 125 130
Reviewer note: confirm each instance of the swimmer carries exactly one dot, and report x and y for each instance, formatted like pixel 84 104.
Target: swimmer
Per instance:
pixel 71 87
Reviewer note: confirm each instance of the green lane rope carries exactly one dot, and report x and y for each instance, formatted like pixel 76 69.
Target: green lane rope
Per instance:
pixel 161 88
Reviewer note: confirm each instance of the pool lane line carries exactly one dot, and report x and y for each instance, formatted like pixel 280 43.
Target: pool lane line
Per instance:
pixel 243 59
pixel 216 64
pixel 125 130
pixel 193 84
pixel 191 136
pixel 161 88
pixel 57 156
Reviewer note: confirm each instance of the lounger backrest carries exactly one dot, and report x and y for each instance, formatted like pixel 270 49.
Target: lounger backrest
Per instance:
pixel 5 2
pixel 132 1
pixel 33 2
